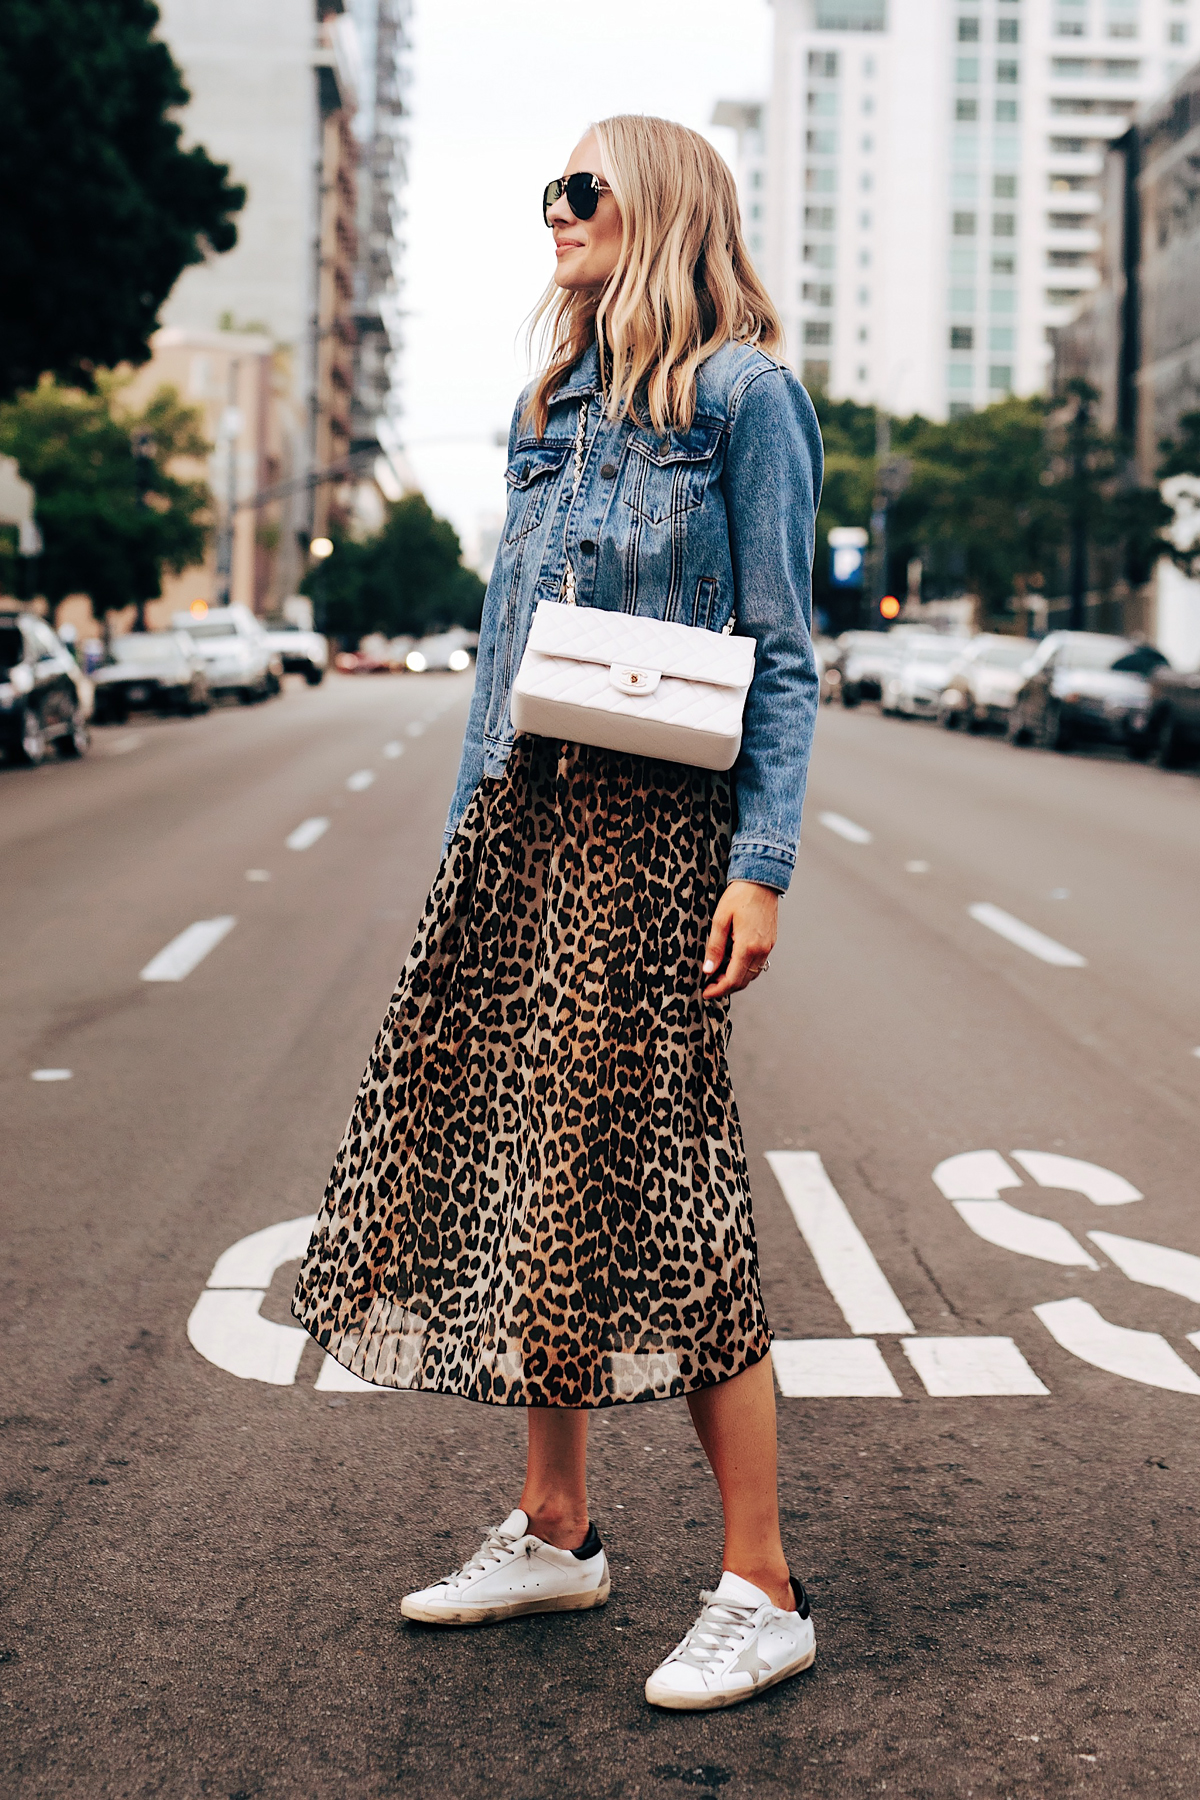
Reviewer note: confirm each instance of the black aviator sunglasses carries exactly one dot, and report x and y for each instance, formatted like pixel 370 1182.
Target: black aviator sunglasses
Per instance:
pixel 583 193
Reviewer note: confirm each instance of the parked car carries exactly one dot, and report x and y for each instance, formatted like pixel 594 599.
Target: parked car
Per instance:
pixel 983 683
pixel 445 650
pixel 45 698
pixel 1086 685
pixel 916 678
pixel 234 649
pixel 301 652
pixel 1174 727
pixel 161 671
pixel 857 672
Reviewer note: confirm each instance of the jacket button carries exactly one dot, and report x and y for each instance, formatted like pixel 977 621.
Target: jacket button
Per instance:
pixel 587 546
pixel 607 471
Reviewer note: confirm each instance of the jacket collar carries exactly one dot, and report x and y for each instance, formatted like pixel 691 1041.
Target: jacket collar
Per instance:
pixel 583 379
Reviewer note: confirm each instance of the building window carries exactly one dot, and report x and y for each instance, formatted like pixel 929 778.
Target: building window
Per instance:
pixel 868 104
pixel 964 184
pixel 1004 187
pixel 960 375
pixel 1061 146
pixel 1177 32
pixel 1004 224
pixel 823 62
pixel 818 331
pixel 968 31
pixel 962 299
pixel 866 182
pixel 863 334
pixel 819 218
pixel 962 259
pixel 823 105
pixel 816 374
pixel 819 255
pixel 821 143
pixel 817 293
pixel 821 181
pixel 961 409
pixel 1001 337
pixel 851 15
pixel 1122 71
pixel 966 109
pixel 1067 259
pixel 864 221
pixel 864 296
pixel 966 68
pixel 1008 31
pixel 962 337
pixel 862 372
pixel 1002 300
pixel 864 259
pixel 1006 112
pixel 1004 265
pixel 1061 296
pixel 868 145
pixel 1064 221
pixel 868 66
pixel 964 224
pixel 1008 72
pixel 1000 377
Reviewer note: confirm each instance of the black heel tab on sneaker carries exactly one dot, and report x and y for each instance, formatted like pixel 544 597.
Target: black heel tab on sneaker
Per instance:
pixel 591 1545
pixel 801 1598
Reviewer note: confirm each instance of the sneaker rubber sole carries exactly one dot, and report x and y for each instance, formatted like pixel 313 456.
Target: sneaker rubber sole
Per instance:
pixel 513 1609
pixel 714 1702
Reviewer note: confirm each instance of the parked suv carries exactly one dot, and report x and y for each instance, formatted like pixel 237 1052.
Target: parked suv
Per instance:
pixel 234 649
pixel 161 670
pixel 1174 729
pixel 301 652
pixel 1086 684
pixel 45 698
pixel 984 684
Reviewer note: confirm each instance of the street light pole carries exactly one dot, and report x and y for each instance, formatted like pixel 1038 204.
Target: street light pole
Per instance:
pixel 230 430
pixel 1079 513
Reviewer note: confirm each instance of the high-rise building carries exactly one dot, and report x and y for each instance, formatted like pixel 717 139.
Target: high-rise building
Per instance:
pixel 933 180
pixel 303 98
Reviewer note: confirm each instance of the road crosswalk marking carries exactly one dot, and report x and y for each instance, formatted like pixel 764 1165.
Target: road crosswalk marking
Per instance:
pixel 838 1247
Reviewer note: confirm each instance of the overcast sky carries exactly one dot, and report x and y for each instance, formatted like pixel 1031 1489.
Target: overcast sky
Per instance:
pixel 502 91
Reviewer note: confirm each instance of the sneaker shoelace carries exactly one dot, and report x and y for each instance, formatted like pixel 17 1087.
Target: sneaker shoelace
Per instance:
pixel 494 1548
pixel 721 1627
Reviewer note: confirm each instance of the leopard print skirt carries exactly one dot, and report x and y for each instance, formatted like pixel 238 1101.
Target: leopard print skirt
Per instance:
pixel 541 1198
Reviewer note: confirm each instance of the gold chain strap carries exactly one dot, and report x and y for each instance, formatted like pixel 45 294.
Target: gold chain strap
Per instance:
pixel 568 581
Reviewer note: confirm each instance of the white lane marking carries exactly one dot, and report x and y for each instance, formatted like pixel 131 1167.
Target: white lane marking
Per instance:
pixel 253 1260
pixel 1025 937
pixel 225 1326
pixel 1154 1265
pixel 50 1074
pixel 1102 1186
pixel 957 1367
pixel 129 740
pixel 393 750
pixel 360 780
pixel 178 958
pixel 975 1175
pixel 306 834
pixel 258 874
pixel 832 1368
pixel 1196 1051
pixel 838 1247
pixel 1011 1229
pixel 416 729
pixel 334 1379
pixel 916 867
pixel 1137 1355
pixel 1060 893
pixel 845 828
pixel 226 1329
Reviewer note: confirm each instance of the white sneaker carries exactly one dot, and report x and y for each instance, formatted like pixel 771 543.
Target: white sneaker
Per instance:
pixel 739 1646
pixel 513 1573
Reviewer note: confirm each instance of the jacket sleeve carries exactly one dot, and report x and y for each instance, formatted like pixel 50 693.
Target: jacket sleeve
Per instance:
pixel 470 768
pixel 772 480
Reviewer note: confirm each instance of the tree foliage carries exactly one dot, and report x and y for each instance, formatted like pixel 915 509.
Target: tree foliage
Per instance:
pixel 112 520
pixel 100 206
pixel 408 579
pixel 990 500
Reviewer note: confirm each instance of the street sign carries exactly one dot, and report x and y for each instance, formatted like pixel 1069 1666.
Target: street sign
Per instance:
pixel 847 555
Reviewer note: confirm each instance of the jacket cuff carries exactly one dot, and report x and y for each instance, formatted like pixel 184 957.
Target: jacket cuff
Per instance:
pixel 769 868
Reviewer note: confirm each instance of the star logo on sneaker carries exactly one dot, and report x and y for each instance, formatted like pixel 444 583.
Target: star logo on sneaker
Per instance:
pixel 751 1663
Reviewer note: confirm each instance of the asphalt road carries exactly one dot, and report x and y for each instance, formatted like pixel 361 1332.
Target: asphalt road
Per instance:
pixel 202 1571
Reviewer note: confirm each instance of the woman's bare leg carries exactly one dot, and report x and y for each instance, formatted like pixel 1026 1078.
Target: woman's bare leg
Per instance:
pixel 555 1493
pixel 735 1423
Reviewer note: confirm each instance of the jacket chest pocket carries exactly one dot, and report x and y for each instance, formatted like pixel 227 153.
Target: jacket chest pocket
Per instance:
pixel 666 477
pixel 531 481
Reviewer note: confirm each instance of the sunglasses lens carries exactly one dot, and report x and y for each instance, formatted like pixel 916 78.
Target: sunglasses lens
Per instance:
pixel 553 192
pixel 582 197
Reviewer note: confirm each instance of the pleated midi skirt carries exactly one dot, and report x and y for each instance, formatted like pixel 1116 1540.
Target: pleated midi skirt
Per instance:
pixel 541 1198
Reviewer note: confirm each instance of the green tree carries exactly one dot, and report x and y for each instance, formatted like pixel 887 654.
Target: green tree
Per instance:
pixel 100 206
pixel 408 579
pixel 111 520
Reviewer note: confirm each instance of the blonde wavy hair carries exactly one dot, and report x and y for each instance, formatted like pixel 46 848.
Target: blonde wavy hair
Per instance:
pixel 684 285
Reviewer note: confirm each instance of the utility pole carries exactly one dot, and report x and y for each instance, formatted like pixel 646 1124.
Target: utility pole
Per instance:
pixel 879 514
pixel 1079 511
pixel 230 430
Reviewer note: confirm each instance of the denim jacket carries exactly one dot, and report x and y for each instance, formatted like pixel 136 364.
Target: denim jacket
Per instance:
pixel 694 526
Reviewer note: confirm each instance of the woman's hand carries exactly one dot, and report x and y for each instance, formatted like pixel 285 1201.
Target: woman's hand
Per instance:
pixel 744 929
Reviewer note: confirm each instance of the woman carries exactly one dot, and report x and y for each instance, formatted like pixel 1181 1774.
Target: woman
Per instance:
pixel 542 1197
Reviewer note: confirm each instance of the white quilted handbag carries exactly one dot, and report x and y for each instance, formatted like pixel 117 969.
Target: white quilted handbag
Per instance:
pixel 623 682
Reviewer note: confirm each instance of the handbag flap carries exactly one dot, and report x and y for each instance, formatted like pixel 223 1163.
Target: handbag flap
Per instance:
pixel 588 634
